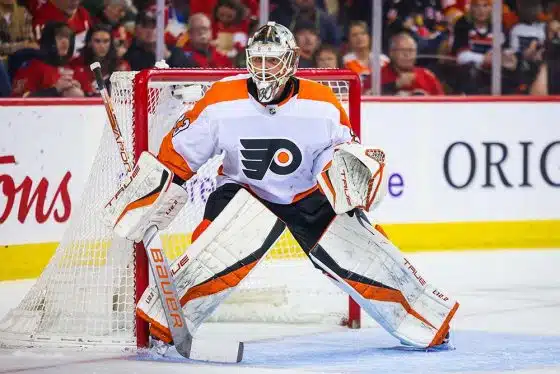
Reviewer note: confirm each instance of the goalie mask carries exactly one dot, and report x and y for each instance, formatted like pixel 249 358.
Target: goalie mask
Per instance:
pixel 272 58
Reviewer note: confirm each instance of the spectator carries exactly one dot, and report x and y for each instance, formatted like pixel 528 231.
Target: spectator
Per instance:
pixel 307 11
pixel 199 49
pixel 547 81
pixel 527 40
pixel 359 58
pixel 114 13
pixel 420 17
pixel 472 47
pixel 528 36
pixel 240 61
pixel 50 76
pixel 473 35
pixel 142 52
pixel 99 48
pixel 5 86
pixel 122 40
pixel 250 7
pixel 173 22
pixel 308 42
pixel 453 10
pixel 67 11
pixel 15 28
pixel 401 76
pixel 425 21
pixel 327 57
pixel 230 28
pixel 529 29
pixel 355 10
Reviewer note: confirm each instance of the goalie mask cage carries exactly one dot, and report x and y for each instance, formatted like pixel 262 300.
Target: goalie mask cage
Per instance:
pixel 87 294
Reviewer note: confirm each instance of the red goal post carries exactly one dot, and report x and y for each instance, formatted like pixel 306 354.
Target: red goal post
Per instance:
pixel 345 80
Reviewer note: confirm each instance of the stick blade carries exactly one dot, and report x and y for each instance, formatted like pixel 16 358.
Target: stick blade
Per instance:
pixel 216 351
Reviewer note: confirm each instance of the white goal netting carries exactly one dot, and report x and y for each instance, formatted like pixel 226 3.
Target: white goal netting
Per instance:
pixel 86 295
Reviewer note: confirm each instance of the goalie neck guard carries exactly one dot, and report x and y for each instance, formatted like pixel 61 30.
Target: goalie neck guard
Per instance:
pixel 272 58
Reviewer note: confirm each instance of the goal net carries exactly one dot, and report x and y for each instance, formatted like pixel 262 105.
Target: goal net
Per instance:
pixel 87 293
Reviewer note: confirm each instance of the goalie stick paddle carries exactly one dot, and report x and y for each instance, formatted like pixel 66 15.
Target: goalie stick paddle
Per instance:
pixel 186 345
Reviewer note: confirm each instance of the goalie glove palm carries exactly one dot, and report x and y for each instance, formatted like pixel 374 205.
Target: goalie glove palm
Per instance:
pixel 355 178
pixel 147 197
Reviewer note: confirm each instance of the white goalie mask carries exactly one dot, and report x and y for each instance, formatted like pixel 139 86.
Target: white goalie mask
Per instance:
pixel 272 58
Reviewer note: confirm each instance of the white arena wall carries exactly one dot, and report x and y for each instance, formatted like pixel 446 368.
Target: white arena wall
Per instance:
pixel 463 173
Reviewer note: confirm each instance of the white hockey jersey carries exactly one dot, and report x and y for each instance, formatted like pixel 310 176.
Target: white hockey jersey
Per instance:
pixel 275 150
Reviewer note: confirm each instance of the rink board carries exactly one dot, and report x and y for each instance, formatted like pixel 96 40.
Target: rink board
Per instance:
pixel 446 191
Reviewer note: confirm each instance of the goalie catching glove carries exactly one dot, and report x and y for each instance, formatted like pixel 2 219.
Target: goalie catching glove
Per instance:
pixel 147 197
pixel 354 178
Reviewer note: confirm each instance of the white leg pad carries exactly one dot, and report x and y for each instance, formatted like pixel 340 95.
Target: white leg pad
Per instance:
pixel 222 256
pixel 384 283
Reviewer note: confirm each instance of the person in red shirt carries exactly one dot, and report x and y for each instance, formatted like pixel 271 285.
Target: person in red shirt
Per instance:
pixel 67 11
pixel 99 47
pixel 401 77
pixel 50 76
pixel 199 49
pixel 230 28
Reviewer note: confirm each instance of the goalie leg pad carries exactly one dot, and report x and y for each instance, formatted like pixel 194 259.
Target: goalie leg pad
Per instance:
pixel 386 285
pixel 223 255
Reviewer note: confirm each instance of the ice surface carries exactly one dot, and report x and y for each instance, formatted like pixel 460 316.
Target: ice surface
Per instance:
pixel 507 323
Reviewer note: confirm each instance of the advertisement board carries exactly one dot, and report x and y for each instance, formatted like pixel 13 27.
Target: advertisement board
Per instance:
pixel 462 174
pixel 467 161
pixel 45 156
pixel 468 174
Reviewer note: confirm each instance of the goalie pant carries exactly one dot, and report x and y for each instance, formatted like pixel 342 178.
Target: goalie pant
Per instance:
pixel 380 276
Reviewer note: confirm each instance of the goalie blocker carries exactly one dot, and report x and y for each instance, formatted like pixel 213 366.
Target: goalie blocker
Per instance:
pixel 147 198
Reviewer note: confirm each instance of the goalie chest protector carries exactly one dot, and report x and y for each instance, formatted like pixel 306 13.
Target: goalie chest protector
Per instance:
pixel 276 150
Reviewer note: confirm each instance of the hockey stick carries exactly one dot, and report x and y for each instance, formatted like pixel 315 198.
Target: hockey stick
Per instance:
pixel 96 69
pixel 185 345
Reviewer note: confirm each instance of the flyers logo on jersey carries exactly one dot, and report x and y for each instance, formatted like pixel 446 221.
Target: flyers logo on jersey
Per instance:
pixel 280 156
pixel 182 124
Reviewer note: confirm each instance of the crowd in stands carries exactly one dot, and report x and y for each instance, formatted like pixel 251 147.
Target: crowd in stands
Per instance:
pixel 430 47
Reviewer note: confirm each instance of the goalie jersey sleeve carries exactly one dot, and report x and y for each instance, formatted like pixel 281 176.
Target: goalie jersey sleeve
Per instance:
pixel 276 151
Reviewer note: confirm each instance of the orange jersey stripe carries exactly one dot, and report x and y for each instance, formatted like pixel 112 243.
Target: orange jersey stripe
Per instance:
pixel 173 160
pixel 311 90
pixel 219 92
pixel 384 294
pixel 303 194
